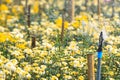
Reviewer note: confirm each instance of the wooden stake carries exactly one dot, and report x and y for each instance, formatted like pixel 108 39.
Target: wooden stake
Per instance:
pixel 113 8
pixel 0 2
pixel 62 28
pixel 6 20
pixel 28 15
pixel 0 5
pixel 86 1
pixel 40 9
pixel 40 14
pixel 26 7
pixel 71 7
pixel 99 11
pixel 18 2
pixel 33 43
pixel 90 60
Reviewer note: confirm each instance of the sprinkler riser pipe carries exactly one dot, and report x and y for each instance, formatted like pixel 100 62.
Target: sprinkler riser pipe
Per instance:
pixel 99 69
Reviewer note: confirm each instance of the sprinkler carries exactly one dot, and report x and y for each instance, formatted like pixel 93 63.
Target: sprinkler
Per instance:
pixel 99 56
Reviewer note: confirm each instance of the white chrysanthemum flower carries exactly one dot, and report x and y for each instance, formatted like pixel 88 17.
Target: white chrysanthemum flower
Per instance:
pixel 73 46
pixel 76 63
pixel 16 53
pixel 2 75
pixel 10 66
pixel 28 76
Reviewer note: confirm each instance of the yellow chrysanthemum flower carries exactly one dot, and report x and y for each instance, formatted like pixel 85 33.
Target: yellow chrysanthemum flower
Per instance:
pixel 21 45
pixel 2 38
pixel 6 36
pixel 59 23
pixel 54 78
pixel 118 54
pixel 111 73
pixel 17 9
pixel 8 1
pixel 76 24
pixel 9 17
pixel 36 7
pixel 3 8
pixel 81 78
pixel 2 17
pixel 82 18
pixel 58 75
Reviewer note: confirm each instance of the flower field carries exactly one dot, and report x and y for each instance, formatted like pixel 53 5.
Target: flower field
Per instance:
pixel 35 46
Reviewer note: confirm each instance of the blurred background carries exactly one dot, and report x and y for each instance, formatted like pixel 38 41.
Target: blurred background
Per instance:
pixel 51 9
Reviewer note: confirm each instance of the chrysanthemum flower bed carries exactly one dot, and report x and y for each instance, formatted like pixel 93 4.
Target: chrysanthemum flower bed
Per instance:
pixel 52 59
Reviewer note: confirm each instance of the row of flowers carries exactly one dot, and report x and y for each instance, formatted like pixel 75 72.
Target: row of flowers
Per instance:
pixel 51 59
